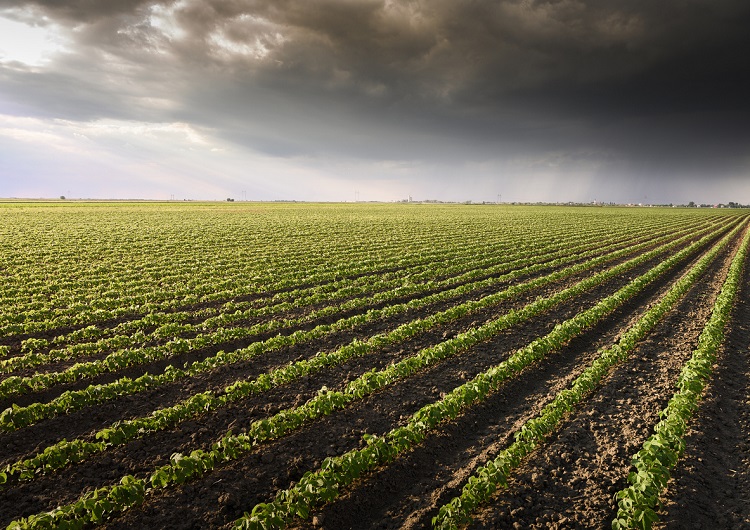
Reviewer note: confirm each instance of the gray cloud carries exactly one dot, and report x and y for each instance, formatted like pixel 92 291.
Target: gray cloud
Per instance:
pixel 642 87
pixel 85 11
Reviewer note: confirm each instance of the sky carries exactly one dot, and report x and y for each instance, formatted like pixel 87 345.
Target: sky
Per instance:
pixel 376 100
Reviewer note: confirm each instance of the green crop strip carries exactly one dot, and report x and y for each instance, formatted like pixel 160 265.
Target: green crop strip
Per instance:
pixel 96 505
pixel 170 326
pixel 74 451
pixel 38 319
pixel 16 417
pixel 316 488
pixel 115 303
pixel 16 385
pixel 663 449
pixel 344 287
pixel 494 474
pixel 227 278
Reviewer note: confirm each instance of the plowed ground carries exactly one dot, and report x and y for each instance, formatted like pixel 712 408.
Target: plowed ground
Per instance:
pixel 568 483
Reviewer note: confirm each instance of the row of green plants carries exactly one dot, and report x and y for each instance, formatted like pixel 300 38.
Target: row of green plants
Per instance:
pixel 75 312
pixel 357 262
pixel 662 450
pixel 15 416
pixel 120 298
pixel 79 341
pixel 97 505
pixel 494 473
pixel 88 310
pixel 74 451
pixel 318 487
pixel 374 289
pixel 474 251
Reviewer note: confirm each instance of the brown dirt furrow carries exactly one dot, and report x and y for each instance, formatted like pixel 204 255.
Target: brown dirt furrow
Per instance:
pixel 301 450
pixel 710 487
pixel 405 493
pixel 570 482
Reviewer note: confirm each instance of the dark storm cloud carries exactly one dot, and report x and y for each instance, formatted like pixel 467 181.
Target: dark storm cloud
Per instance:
pixel 80 10
pixel 646 85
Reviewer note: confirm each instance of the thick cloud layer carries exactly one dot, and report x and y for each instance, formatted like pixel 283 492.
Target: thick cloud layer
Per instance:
pixel 613 90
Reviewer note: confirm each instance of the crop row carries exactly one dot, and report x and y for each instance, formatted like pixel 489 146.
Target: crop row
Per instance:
pixel 116 303
pixel 96 505
pixel 228 281
pixel 110 304
pixel 226 278
pixel 376 290
pixel 495 473
pixel 61 454
pixel 476 255
pixel 15 417
pixel 321 486
pixel 662 450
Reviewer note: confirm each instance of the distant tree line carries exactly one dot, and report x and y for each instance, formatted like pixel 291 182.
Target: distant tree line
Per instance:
pixel 730 204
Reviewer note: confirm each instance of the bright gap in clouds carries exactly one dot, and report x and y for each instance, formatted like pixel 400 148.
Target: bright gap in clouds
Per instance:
pixel 31 45
pixel 163 19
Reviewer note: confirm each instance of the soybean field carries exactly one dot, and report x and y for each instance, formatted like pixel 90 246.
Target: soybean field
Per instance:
pixel 292 365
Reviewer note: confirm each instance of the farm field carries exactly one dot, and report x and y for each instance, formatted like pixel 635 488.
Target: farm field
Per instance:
pixel 260 365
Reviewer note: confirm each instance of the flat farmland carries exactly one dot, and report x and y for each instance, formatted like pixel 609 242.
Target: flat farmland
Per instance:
pixel 270 365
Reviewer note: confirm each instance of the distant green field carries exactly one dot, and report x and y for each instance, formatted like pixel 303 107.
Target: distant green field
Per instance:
pixel 151 351
pixel 81 262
